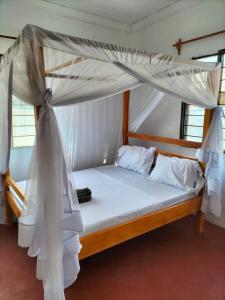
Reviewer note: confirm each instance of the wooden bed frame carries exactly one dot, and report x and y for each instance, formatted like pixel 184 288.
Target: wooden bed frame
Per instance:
pixel 114 235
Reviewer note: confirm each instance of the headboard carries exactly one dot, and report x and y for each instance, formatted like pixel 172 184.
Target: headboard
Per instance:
pixel 153 138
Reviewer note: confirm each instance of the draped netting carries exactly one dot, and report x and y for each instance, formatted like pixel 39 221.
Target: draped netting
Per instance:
pixel 91 131
pixel 5 127
pixel 52 69
pixel 212 153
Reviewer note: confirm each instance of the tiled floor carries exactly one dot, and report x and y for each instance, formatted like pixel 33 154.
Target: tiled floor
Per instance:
pixel 170 263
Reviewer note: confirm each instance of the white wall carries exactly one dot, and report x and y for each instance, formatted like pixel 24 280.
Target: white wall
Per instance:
pixel 15 14
pixel 207 17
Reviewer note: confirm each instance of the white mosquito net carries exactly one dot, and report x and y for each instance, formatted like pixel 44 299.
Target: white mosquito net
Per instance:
pixel 51 69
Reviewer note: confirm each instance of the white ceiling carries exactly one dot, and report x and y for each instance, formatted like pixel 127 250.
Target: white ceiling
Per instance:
pixel 134 13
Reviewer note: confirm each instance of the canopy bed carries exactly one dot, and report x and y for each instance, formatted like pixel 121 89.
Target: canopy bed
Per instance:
pixel 50 69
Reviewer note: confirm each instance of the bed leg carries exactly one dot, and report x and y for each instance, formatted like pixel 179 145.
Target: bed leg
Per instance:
pixel 200 222
pixel 8 210
pixel 9 214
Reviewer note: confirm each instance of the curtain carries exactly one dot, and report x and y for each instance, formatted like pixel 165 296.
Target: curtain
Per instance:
pixel 5 129
pixel 143 101
pixel 176 79
pixel 91 131
pixel 211 152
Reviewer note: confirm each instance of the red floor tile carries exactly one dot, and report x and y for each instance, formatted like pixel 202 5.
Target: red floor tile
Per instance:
pixel 170 263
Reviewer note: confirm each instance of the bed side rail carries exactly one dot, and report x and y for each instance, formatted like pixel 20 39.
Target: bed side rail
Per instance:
pixel 10 199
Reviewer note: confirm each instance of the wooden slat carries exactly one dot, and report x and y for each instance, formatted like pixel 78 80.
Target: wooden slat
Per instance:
pixel 8 37
pixel 174 154
pixel 84 78
pixel 66 64
pixel 179 43
pixel 10 182
pixel 126 100
pixel 12 203
pixel 183 143
pixel 42 61
pixel 202 164
pixel 106 238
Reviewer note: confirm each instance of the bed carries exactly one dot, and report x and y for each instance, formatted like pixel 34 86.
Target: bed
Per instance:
pixel 52 69
pixel 124 204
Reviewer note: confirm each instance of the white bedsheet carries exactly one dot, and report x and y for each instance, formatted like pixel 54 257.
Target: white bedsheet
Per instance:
pixel 119 195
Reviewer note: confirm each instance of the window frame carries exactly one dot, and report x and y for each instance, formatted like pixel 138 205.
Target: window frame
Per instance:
pixel 220 54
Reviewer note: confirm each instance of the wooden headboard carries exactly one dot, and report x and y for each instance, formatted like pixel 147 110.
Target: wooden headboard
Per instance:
pixel 153 138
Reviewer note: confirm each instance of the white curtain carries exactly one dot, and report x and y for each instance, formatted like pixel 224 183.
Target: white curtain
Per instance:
pixel 5 129
pixel 143 101
pixel 176 79
pixel 212 153
pixel 77 70
pixel 91 131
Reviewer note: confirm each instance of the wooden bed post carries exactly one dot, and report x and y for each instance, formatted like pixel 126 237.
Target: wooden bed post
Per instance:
pixel 126 100
pixel 207 122
pixel 37 113
pixel 8 210
pixel 38 107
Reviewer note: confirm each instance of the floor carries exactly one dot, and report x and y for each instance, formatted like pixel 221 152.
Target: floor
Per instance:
pixel 170 263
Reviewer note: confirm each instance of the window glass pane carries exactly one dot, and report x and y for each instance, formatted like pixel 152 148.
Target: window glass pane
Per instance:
pixel 195 120
pixel 23 122
pixel 25 141
pixel 212 58
pixel 194 110
pixel 23 130
pixel 194 131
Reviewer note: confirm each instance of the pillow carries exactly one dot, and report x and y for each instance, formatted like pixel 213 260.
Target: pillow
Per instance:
pixel 135 158
pixel 183 173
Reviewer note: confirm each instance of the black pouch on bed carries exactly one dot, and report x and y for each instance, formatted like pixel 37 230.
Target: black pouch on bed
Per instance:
pixel 84 195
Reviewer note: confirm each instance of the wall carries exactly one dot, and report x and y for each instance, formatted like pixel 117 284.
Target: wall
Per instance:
pixel 207 17
pixel 14 15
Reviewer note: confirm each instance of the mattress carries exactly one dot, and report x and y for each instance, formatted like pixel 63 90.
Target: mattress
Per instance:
pixel 119 195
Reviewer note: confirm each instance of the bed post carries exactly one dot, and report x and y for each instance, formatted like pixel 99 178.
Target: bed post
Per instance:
pixel 201 215
pixel 126 100
pixel 8 210
pixel 38 107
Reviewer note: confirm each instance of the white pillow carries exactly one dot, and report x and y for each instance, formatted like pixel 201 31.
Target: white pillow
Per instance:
pixel 183 173
pixel 135 158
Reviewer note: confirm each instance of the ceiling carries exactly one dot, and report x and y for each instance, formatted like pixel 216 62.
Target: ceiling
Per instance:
pixel 130 12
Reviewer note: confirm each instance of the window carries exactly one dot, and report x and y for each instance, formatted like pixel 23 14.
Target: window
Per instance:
pixel 192 117
pixel 23 124
pixel 193 120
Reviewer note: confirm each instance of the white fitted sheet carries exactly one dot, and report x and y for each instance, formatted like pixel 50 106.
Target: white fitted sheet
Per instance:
pixel 119 195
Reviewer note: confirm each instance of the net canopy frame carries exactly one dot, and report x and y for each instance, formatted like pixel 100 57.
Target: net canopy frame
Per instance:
pixel 48 69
